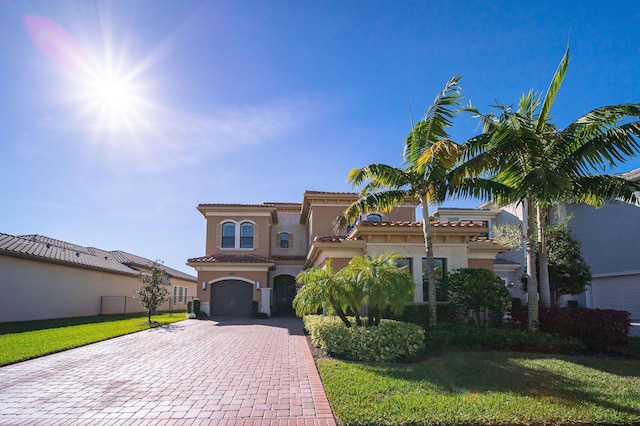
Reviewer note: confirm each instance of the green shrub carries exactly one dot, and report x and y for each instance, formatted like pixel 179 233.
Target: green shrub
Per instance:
pixel 196 305
pixel 391 341
pixel 600 330
pixel 502 338
pixel 418 313
pixel 477 294
pixel 190 307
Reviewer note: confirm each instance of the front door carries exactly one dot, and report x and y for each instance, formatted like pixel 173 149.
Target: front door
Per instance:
pixel 284 290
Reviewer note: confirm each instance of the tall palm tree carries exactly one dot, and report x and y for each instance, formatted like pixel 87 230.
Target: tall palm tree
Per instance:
pixel 529 160
pixel 428 157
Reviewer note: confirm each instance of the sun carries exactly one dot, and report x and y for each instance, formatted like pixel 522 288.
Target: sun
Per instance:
pixel 113 101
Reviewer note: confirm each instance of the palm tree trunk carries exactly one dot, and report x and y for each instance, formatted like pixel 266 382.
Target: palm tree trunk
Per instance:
pixel 532 281
pixel 431 276
pixel 338 310
pixel 545 292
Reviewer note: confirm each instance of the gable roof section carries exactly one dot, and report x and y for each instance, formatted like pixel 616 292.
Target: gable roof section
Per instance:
pixel 46 249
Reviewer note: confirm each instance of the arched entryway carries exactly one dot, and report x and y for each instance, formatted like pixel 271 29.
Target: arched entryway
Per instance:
pixel 231 298
pixel 284 290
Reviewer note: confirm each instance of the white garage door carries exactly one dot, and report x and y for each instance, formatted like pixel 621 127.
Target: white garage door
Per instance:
pixel 621 293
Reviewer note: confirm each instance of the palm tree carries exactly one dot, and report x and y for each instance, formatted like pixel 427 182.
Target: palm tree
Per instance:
pixel 322 289
pixel 522 157
pixel 428 157
pixel 379 282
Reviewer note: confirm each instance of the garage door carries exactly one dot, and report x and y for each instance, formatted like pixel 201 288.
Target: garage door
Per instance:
pixel 621 293
pixel 231 298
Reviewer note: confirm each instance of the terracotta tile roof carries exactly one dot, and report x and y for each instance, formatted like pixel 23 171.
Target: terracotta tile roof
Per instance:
pixel 355 194
pixel 40 247
pixel 270 205
pixel 410 224
pixel 231 258
pixel 484 240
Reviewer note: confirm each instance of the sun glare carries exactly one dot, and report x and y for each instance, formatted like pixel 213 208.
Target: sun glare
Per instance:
pixel 114 101
pixel 111 93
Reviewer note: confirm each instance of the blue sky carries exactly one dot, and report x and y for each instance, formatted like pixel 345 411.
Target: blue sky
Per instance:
pixel 118 118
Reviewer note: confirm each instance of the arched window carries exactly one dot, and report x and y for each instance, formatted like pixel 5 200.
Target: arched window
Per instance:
pixel 284 240
pixel 229 235
pixel 246 235
pixel 374 218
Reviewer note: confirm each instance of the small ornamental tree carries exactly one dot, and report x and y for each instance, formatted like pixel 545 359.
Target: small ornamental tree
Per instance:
pixel 477 293
pixel 568 271
pixel 154 290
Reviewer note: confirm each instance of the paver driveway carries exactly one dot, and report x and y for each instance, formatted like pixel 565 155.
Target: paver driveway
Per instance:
pixel 232 372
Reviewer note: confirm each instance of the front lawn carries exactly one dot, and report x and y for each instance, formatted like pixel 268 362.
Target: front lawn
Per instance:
pixel 485 388
pixel 25 340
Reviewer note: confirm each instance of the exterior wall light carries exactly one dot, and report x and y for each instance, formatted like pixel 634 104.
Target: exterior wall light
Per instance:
pixel 257 285
pixel 204 285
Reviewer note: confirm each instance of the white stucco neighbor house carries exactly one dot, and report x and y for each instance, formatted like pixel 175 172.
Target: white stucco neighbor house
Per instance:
pixel 44 278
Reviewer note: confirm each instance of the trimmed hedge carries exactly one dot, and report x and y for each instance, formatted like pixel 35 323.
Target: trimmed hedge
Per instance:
pixel 600 330
pixel 419 314
pixel 501 338
pixel 391 341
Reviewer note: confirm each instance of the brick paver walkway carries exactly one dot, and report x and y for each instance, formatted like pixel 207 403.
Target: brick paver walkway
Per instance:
pixel 193 372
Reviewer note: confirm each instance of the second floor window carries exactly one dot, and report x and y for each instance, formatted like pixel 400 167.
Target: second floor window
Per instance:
pixel 284 240
pixel 246 235
pixel 228 235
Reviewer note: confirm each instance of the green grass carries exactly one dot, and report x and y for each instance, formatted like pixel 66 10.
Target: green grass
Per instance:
pixel 485 388
pixel 25 340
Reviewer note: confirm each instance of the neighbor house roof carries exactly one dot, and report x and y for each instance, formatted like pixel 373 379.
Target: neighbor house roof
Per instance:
pixel 46 249
pixel 55 251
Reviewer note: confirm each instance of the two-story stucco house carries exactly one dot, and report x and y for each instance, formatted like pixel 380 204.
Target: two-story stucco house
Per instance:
pixel 255 251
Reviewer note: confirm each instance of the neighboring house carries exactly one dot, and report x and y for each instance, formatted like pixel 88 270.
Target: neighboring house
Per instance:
pixel 44 278
pixel 609 241
pixel 255 251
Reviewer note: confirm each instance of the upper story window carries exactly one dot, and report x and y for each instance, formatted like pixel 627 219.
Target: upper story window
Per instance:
pixel 237 235
pixel 228 235
pixel 284 240
pixel 374 217
pixel 246 235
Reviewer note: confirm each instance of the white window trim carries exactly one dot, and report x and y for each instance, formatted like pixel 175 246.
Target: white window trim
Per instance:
pixel 236 241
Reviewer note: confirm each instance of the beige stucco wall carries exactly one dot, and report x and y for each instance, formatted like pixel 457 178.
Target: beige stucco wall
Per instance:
pixel 38 290
pixel 214 234
pixel 289 222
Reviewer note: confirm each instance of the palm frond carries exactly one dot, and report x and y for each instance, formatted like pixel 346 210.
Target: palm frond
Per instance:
pixel 597 190
pixel 553 89
pixel 382 201
pixel 433 125
pixel 378 176
pixel 606 149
